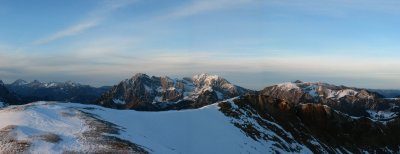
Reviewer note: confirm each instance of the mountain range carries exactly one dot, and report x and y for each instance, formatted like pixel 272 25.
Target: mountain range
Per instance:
pixel 200 114
pixel 142 92
pixel 54 91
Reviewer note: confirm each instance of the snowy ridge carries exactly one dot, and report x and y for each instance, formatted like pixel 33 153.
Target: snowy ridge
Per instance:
pixel 288 86
pixel 268 138
pixel 204 130
pixel 37 83
pixel 319 89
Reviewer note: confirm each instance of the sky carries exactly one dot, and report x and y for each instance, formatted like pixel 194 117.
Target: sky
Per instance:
pixel 252 43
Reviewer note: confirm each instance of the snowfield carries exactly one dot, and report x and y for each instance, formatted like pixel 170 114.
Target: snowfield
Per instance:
pixel 36 121
pixel 53 127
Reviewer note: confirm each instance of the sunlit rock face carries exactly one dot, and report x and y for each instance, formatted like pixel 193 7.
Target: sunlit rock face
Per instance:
pixel 142 92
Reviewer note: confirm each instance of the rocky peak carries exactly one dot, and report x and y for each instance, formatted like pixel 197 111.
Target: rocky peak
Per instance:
pixel 139 76
pixel 142 92
pixel 206 79
pixel 352 101
pixel 35 83
pixel 298 81
pixel 1 83
pixel 19 82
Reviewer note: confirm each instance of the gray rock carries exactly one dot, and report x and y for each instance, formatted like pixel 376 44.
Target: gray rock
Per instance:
pixel 142 92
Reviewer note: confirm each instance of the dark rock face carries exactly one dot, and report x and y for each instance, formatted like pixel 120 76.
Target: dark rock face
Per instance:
pixel 352 101
pixel 7 97
pixel 318 127
pixel 142 92
pixel 55 91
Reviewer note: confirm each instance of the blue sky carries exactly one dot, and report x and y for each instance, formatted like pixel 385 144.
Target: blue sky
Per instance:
pixel 254 43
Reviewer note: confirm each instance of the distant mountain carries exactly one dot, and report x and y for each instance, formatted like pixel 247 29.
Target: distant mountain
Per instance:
pixel 142 92
pixel 7 97
pixel 55 91
pixel 387 93
pixel 352 101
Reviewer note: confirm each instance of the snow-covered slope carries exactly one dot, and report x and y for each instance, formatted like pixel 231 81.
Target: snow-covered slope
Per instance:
pixel 247 124
pixel 50 127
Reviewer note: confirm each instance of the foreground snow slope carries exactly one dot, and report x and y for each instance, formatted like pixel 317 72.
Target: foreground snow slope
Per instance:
pixel 32 122
pixel 204 130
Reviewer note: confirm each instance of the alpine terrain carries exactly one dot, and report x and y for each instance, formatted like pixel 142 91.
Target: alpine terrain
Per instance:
pixel 203 114
pixel 142 92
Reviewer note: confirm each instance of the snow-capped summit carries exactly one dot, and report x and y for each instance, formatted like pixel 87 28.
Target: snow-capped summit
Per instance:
pixel 19 82
pixel 339 97
pixel 142 92
pixel 205 79
pixel 214 81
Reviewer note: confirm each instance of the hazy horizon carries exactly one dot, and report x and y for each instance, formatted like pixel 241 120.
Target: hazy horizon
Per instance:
pixel 255 82
pixel 252 43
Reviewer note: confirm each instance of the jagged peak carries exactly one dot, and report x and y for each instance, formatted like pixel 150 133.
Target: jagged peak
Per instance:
pixel 288 86
pixel 19 82
pixel 205 76
pixel 36 82
pixel 139 76
pixel 298 81
pixel 1 82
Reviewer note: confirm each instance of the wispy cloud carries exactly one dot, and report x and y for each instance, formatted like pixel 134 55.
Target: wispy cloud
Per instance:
pixel 95 18
pixel 70 31
pixel 204 6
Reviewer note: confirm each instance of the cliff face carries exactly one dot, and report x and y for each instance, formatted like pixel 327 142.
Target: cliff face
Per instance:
pixel 142 92
pixel 7 97
pixel 352 101
pixel 319 127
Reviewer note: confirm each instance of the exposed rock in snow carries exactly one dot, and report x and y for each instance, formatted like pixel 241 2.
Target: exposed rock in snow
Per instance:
pixel 143 92
pixel 352 101
pixel 47 127
pixel 320 128
pixel 119 101
pixel 345 92
pixel 382 115
pixel 288 86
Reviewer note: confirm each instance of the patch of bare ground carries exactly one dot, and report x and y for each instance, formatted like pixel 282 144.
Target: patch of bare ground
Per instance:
pixel 8 142
pixel 101 137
